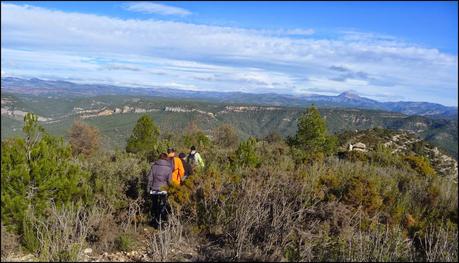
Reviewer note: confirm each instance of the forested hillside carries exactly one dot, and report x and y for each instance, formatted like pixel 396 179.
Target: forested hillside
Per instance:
pixel 115 116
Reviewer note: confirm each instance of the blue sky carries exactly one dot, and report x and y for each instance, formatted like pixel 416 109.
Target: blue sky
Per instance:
pixel 387 51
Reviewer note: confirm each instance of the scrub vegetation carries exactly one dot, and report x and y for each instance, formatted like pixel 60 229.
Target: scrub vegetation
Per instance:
pixel 300 198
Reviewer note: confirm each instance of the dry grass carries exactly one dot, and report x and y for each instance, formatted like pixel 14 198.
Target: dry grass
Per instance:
pixel 166 243
pixel 62 235
pixel 440 244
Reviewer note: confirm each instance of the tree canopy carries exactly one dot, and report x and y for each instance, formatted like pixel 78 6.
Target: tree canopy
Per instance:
pixel 36 172
pixel 84 139
pixel 144 137
pixel 312 137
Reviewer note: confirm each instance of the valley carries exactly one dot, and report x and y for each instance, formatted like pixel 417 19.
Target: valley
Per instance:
pixel 115 116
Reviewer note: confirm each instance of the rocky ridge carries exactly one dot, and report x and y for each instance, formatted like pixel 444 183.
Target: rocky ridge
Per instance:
pixel 405 143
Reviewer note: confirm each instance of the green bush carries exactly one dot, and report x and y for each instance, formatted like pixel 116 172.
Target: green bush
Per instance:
pixel 36 171
pixel 354 156
pixel 126 174
pixel 421 165
pixel 246 155
pixel 28 231
pixel 383 156
pixel 124 242
pixel 363 191
pixel 329 186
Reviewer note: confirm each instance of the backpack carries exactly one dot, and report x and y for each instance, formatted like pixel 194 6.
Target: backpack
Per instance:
pixel 191 159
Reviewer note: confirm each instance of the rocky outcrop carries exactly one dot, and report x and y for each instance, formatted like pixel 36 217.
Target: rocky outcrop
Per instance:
pixel 128 109
pixel 180 109
pixel 360 147
pixel 78 110
pixel 90 113
pixel 442 163
pixel 176 109
pixel 246 109
pixel 102 112
pixel 107 111
pixel 404 143
pixel 19 114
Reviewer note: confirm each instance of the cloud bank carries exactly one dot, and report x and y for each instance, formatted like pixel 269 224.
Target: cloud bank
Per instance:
pixel 154 8
pixel 38 42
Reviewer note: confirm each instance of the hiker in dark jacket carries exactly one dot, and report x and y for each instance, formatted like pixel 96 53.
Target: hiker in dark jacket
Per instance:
pixel 159 177
pixel 186 165
pixel 160 173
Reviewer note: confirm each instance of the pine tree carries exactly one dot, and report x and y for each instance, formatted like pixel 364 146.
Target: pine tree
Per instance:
pixel 144 137
pixel 312 138
pixel 37 171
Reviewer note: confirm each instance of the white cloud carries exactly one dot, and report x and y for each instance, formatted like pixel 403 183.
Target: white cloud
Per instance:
pixel 181 86
pixel 300 32
pixel 155 52
pixel 155 8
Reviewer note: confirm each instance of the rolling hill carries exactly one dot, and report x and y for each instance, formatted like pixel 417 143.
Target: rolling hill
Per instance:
pixel 115 116
pixel 64 89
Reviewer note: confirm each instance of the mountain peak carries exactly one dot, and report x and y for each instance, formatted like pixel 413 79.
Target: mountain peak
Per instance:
pixel 349 94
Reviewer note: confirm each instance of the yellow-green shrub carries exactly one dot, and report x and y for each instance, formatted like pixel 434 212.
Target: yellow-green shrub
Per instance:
pixel 361 190
pixel 421 165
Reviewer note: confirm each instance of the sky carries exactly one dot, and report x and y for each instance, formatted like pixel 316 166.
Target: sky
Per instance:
pixel 388 51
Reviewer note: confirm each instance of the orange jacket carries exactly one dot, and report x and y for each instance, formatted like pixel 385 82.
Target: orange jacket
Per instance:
pixel 177 170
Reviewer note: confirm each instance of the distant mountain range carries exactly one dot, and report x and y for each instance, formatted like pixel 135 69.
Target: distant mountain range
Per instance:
pixel 41 87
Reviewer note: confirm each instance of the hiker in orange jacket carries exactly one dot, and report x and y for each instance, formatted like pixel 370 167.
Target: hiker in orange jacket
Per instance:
pixel 177 167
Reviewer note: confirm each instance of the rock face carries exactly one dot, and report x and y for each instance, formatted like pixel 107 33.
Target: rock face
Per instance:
pixel 247 108
pixel 179 109
pixel 361 147
pixel 19 114
pixel 176 109
pixel 127 109
pixel 92 113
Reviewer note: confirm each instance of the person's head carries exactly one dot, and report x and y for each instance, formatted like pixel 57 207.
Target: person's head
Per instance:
pixel 182 155
pixel 193 148
pixel 163 156
pixel 171 152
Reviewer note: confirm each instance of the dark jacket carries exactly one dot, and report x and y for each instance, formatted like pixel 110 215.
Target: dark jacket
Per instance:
pixel 188 168
pixel 159 175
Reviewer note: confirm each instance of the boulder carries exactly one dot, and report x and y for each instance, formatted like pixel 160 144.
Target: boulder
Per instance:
pixel 359 145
